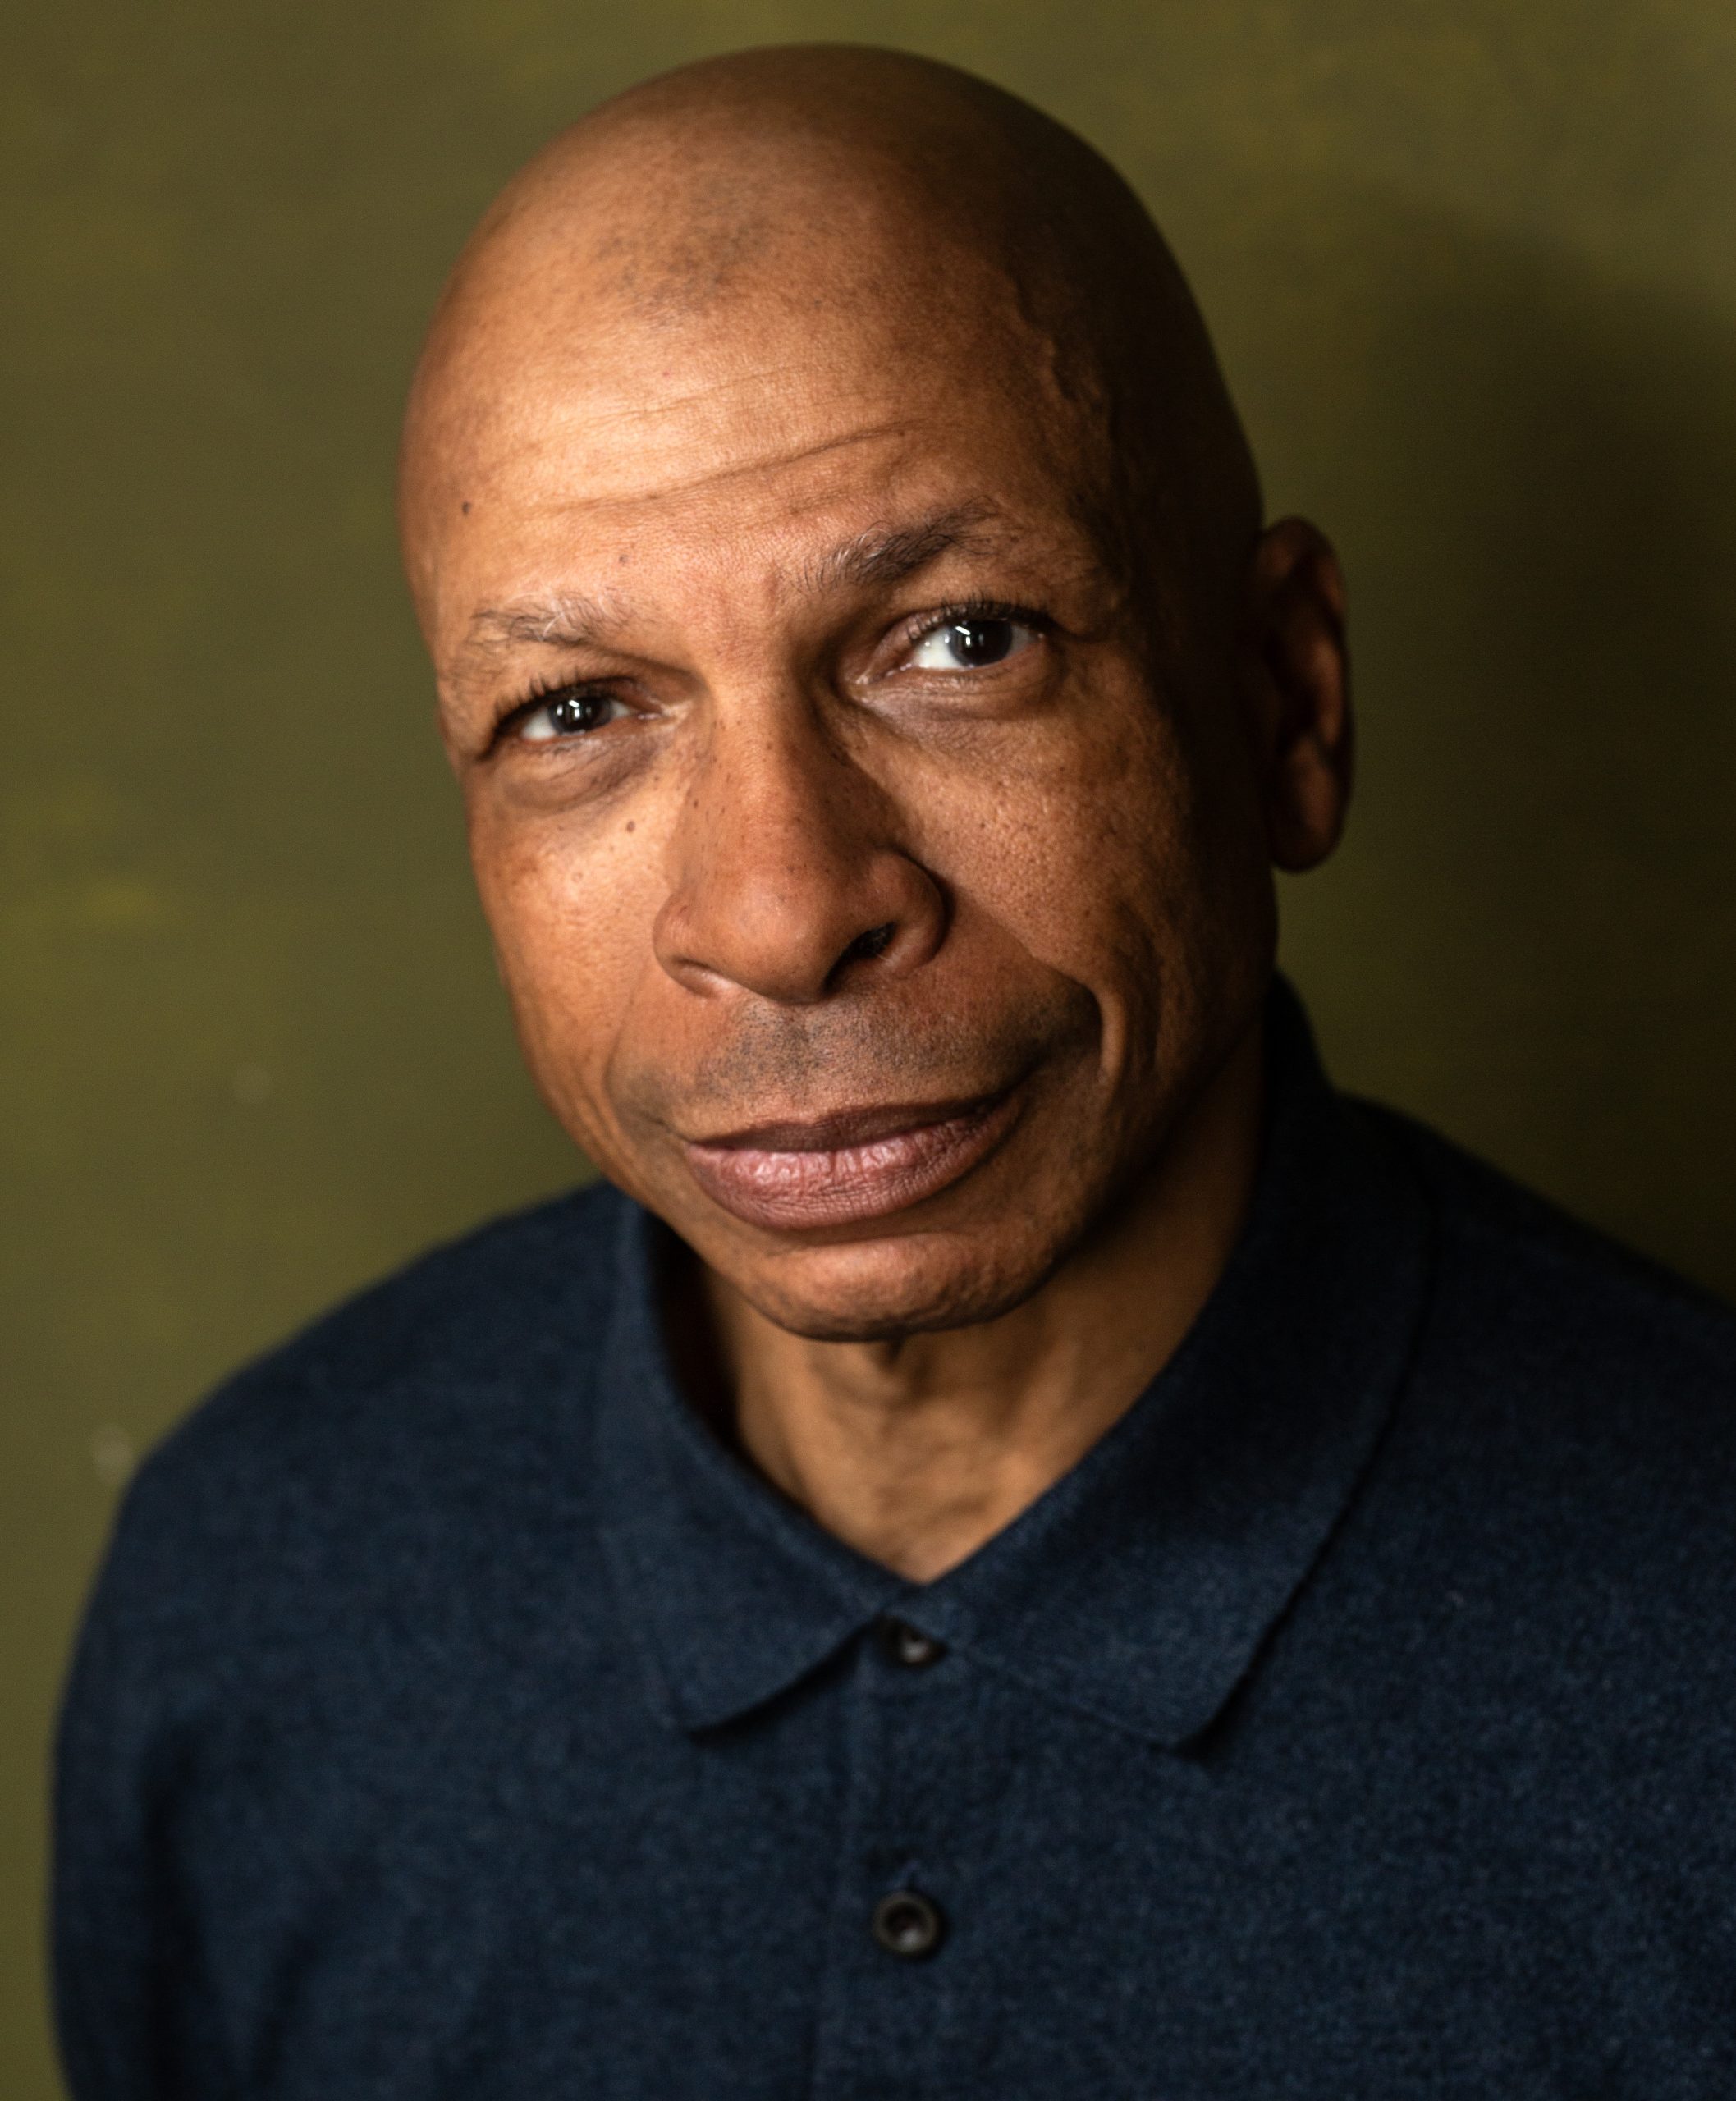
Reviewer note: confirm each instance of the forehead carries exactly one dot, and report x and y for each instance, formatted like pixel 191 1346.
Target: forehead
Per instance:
pixel 762 429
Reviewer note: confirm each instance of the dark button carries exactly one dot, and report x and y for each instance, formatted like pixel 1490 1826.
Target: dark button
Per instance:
pixel 908 1925
pixel 908 1645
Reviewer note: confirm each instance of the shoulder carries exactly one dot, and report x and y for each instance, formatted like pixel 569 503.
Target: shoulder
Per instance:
pixel 1560 1305
pixel 383 1433
pixel 1568 1428
pixel 508 1305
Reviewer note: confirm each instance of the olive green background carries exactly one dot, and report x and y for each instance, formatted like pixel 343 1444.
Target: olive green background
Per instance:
pixel 1472 267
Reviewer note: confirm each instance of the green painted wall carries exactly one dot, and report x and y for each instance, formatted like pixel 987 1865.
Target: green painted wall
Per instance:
pixel 1473 269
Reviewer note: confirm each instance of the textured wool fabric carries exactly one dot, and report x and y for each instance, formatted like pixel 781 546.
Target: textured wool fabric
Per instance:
pixel 455 1718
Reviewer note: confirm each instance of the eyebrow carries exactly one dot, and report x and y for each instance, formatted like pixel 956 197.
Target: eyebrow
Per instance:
pixel 564 622
pixel 882 555
pixel 887 555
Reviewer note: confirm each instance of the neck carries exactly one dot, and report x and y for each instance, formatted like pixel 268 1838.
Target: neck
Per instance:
pixel 916 1451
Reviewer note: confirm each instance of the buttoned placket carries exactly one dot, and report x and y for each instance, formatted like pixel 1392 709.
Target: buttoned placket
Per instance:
pixel 899 1919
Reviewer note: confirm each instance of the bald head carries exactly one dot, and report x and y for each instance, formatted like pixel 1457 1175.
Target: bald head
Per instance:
pixel 918 215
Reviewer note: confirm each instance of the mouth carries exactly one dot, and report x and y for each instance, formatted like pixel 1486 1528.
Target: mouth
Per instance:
pixel 857 1164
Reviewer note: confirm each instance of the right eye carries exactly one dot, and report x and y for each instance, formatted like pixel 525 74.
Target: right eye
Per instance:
pixel 572 711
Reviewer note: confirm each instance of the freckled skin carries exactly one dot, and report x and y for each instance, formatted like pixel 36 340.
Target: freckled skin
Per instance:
pixel 755 314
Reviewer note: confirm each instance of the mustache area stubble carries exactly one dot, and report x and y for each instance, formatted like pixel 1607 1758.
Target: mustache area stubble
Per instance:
pixel 772 1062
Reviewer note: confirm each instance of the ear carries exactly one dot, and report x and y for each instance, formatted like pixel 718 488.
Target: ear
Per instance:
pixel 1297 675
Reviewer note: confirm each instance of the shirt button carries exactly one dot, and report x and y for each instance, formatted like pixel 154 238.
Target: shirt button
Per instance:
pixel 908 1645
pixel 908 1925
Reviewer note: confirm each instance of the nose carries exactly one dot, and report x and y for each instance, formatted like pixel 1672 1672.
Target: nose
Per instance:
pixel 788 882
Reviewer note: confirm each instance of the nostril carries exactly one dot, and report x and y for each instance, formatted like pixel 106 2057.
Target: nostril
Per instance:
pixel 874 942
pixel 867 946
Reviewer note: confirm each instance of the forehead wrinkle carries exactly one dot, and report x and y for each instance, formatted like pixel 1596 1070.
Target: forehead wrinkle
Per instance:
pixel 772 375
pixel 773 462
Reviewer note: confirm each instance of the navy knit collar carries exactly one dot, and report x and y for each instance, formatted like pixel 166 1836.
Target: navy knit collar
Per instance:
pixel 1139 1588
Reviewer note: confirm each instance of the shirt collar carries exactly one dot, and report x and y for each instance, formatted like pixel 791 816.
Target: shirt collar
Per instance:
pixel 1140 1587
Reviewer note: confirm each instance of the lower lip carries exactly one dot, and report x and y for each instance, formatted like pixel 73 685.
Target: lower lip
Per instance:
pixel 787 1192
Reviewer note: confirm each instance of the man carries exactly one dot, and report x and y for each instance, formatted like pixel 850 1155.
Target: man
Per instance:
pixel 1024 1547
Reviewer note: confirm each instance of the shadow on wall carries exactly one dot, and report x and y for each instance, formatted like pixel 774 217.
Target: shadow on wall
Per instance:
pixel 1531 939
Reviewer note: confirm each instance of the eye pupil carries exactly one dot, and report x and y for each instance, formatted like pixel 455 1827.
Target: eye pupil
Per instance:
pixel 573 711
pixel 980 642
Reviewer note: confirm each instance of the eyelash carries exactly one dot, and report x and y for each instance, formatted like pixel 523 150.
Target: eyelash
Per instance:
pixel 977 609
pixel 552 687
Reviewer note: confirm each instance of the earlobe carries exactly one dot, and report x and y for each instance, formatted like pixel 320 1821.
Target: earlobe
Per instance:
pixel 1300 664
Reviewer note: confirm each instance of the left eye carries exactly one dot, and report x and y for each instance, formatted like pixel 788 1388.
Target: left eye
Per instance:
pixel 968 645
pixel 569 713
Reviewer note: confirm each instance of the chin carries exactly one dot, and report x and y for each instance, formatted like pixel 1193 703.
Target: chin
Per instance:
pixel 881 1290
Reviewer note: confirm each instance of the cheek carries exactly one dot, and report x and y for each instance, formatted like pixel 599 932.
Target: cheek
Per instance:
pixel 1106 854
pixel 1086 847
pixel 569 917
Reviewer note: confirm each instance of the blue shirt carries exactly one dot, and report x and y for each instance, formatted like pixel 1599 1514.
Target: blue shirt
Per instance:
pixel 455 1718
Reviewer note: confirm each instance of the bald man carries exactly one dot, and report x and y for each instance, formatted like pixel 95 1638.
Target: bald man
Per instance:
pixel 1020 1545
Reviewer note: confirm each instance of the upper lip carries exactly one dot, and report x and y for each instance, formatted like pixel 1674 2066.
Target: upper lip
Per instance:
pixel 844 1128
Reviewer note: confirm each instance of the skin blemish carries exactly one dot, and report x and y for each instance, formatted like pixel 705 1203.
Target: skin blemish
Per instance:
pixel 631 823
pixel 466 506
